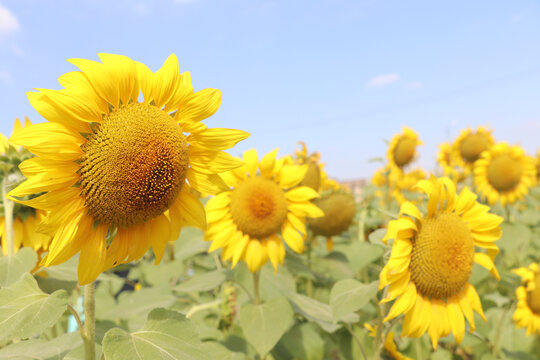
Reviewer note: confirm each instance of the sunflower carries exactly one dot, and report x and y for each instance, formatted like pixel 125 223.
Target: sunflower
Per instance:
pixel 25 219
pixel 402 148
pixel 246 220
pixel 446 161
pixel 468 146
pixel 504 173
pixel 339 210
pixel 117 168
pixel 432 259
pixel 527 314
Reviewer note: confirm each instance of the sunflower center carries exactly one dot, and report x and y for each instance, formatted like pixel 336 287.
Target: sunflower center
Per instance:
pixel 258 207
pixel 134 165
pixel 533 297
pixel 339 210
pixel 472 146
pixel 504 173
pixel 442 256
pixel 404 151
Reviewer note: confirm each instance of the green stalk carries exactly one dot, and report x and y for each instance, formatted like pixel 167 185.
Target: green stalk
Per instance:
pixel 8 216
pixel 89 321
pixel 256 297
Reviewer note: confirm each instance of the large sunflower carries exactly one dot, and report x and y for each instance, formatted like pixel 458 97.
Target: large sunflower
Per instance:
pixel 468 146
pixel 527 314
pixel 117 169
pixel 246 220
pixel 504 173
pixel 402 148
pixel 432 259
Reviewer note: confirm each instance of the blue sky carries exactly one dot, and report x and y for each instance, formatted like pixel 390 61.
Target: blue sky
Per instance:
pixel 339 75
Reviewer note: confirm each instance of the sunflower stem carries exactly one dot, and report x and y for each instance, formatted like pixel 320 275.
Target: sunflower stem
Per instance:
pixel 89 321
pixel 497 338
pixel 381 309
pixel 418 349
pixel 256 297
pixel 8 216
pixel 357 340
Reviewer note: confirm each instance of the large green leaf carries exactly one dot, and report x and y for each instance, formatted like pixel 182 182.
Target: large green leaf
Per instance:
pixel 202 282
pixel 39 349
pixel 167 335
pixel 349 295
pixel 134 306
pixel 360 253
pixel 25 310
pixel 318 312
pixel 12 267
pixel 264 324
pixel 514 237
pixel 304 342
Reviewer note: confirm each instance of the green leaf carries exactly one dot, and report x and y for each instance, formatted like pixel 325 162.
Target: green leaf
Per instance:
pixel 12 267
pixel 134 306
pixel 318 312
pixel 202 282
pixel 264 324
pixel 218 351
pixel 349 295
pixel 360 254
pixel 514 237
pixel 376 236
pixel 39 349
pixel 190 243
pixel 167 335
pixel 25 310
pixel 304 342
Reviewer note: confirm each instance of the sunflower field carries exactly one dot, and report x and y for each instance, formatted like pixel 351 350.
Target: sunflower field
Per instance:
pixel 128 231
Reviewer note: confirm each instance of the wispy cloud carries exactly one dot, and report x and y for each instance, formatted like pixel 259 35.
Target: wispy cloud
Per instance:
pixel 415 85
pixel 6 78
pixel 383 80
pixel 8 22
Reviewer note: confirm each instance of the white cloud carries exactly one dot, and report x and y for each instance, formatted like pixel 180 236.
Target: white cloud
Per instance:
pixel 8 22
pixel 6 78
pixel 383 80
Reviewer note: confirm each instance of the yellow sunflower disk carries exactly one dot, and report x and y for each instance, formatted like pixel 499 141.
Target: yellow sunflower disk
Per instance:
pixel 468 146
pixel 527 314
pixel 117 168
pixel 504 173
pixel 402 148
pixel 261 204
pixel 432 259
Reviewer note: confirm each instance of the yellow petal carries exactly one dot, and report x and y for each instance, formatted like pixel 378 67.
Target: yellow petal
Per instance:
pixel 160 229
pixel 192 209
pixel 93 255
pixel 251 160
pixel 268 163
pixel 217 138
pixel 291 175
pixel 301 194
pixel 292 237
pixel 200 105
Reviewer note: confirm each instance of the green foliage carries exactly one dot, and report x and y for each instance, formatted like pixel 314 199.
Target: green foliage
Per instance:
pixel 264 324
pixel 166 335
pixel 314 307
pixel 348 296
pixel 12 267
pixel 25 310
